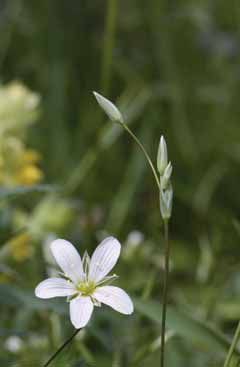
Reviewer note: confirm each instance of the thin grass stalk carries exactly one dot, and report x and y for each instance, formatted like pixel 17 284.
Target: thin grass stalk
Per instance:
pixel 232 347
pixel 165 291
pixel 61 348
pixel 109 38
pixel 144 152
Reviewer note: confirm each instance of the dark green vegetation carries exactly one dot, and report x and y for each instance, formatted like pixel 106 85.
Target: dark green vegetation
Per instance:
pixel 173 68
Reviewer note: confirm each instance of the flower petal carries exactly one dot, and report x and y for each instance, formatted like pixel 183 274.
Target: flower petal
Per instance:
pixel 68 259
pixel 81 309
pixel 104 258
pixel 114 297
pixel 54 287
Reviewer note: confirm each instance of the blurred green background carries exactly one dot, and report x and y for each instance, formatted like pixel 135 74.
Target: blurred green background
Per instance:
pixel 172 67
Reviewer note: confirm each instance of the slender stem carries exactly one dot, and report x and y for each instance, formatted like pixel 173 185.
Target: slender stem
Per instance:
pixel 144 152
pixel 13 12
pixel 233 346
pixel 165 291
pixel 61 348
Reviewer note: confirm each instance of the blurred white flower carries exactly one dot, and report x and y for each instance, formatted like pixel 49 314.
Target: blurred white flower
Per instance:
pixel 111 110
pixel 133 241
pixel 83 280
pixel 135 238
pixel 13 344
pixel 32 102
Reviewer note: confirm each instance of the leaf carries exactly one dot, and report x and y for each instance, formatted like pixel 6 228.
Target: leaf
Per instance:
pixel 18 298
pixel 195 331
pixel 13 296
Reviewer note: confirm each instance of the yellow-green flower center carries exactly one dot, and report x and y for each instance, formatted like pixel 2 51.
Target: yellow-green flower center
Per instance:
pixel 86 288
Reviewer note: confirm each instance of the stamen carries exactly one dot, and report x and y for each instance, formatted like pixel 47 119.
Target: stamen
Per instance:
pixel 86 263
pixel 86 288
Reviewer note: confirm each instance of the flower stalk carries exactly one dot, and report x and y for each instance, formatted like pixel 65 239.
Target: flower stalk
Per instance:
pixel 58 351
pixel 166 198
pixel 115 115
pixel 163 181
pixel 144 152
pixel 232 347
pixel 165 289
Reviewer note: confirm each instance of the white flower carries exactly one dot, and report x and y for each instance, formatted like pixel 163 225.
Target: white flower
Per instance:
pixel 111 110
pixel 14 343
pixel 83 280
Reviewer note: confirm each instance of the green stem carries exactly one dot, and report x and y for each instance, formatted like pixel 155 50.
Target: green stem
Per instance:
pixel 144 152
pixel 165 291
pixel 233 346
pixel 13 12
pixel 61 348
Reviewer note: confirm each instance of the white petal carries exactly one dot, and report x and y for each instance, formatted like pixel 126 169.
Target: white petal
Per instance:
pixel 81 309
pixel 68 259
pixel 54 287
pixel 111 110
pixel 104 258
pixel 114 297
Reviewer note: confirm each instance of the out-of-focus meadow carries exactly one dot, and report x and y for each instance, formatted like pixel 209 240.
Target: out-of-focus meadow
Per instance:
pixel 172 67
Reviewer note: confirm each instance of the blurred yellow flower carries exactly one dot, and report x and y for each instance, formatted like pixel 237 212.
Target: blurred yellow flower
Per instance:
pixel 20 247
pixel 31 156
pixel 18 108
pixel 18 166
pixel 29 175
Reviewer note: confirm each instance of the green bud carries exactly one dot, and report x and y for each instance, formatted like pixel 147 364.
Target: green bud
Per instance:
pixel 109 108
pixel 165 178
pixel 166 198
pixel 162 157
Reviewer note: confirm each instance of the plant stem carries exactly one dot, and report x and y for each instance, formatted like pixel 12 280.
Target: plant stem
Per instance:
pixel 165 291
pixel 233 346
pixel 144 152
pixel 61 348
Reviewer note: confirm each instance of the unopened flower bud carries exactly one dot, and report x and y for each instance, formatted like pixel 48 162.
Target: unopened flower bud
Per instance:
pixel 166 198
pixel 165 179
pixel 162 157
pixel 111 110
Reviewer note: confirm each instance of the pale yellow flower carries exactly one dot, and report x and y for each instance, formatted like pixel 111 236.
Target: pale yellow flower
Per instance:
pixel 29 175
pixel 20 247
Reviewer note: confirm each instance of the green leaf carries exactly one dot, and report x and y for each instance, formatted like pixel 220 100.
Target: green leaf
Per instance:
pixel 6 193
pixel 13 296
pixel 197 332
